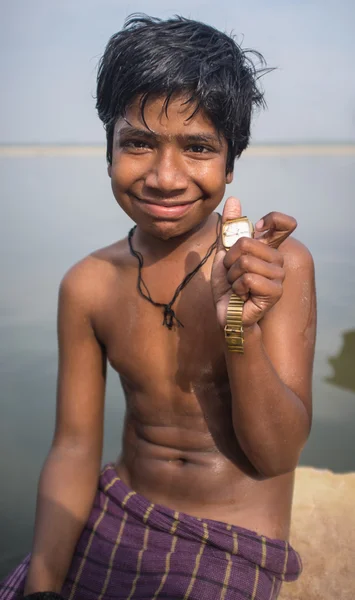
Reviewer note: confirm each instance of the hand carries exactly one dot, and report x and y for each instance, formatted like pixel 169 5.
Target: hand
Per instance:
pixel 252 268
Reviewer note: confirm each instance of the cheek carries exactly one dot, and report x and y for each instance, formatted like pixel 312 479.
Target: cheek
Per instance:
pixel 124 174
pixel 121 168
pixel 213 178
pixel 121 180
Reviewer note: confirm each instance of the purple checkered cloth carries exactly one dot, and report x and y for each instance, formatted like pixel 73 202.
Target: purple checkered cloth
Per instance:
pixel 132 549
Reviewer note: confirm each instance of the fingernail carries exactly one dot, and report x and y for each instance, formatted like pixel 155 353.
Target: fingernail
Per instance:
pixel 260 224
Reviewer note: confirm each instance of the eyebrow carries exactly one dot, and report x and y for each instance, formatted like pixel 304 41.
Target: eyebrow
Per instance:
pixel 196 138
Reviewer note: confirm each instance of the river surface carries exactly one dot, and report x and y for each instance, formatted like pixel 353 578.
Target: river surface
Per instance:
pixel 56 209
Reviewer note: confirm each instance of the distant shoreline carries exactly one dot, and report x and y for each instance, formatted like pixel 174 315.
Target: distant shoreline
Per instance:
pixel 37 150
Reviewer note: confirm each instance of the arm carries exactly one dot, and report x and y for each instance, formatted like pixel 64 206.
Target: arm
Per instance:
pixel 69 477
pixel 271 382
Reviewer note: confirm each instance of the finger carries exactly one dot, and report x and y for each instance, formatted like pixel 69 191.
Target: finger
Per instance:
pixel 232 210
pixel 275 227
pixel 250 264
pixel 251 246
pixel 256 285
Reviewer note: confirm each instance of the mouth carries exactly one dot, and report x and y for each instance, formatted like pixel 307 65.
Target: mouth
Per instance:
pixel 164 209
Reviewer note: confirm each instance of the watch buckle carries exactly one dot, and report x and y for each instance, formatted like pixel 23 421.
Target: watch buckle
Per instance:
pixel 234 339
pixel 229 331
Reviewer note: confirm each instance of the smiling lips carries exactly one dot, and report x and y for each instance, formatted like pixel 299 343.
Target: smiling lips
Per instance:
pixel 164 209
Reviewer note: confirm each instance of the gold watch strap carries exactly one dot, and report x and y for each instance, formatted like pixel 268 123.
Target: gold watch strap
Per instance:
pixel 233 330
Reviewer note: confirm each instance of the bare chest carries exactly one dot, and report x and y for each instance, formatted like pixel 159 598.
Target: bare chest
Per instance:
pixel 150 356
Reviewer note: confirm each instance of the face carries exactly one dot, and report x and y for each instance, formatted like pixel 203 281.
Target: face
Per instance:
pixel 170 176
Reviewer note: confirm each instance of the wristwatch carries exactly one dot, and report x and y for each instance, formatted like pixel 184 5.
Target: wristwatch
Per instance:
pixel 232 230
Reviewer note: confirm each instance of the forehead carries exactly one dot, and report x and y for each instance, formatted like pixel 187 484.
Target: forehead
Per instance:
pixel 172 118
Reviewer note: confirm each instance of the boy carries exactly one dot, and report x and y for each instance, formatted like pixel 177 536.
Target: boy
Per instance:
pixel 199 502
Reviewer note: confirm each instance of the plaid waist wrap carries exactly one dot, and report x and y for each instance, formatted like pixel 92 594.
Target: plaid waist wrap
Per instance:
pixel 132 549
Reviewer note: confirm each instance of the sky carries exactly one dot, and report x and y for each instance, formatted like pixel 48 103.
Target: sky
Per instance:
pixel 49 50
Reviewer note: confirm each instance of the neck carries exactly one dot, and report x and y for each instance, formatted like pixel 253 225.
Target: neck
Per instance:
pixel 154 248
pixel 170 319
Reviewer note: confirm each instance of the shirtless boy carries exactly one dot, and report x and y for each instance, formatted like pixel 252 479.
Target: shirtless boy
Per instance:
pixel 198 503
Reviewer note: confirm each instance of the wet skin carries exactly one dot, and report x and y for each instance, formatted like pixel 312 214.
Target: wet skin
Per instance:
pixel 179 448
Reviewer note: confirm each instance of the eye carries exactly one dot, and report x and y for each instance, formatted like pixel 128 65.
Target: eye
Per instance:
pixel 135 144
pixel 199 149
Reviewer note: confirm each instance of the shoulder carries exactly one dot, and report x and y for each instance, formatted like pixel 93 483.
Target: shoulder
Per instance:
pixel 88 279
pixel 297 256
pixel 299 290
pixel 296 310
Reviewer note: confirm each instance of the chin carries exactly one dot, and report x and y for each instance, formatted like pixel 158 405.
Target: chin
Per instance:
pixel 166 230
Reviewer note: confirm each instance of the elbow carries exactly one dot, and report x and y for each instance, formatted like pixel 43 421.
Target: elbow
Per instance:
pixel 75 452
pixel 274 466
pixel 78 444
pixel 275 470
pixel 277 457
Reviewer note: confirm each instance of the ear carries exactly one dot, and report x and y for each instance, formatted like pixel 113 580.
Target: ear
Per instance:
pixel 229 177
pixel 109 170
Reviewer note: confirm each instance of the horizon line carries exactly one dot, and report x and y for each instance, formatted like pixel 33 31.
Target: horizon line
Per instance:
pixel 305 142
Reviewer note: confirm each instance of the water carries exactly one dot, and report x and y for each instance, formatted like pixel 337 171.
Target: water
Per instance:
pixel 55 210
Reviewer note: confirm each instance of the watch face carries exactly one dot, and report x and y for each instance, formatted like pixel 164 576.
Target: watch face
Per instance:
pixel 233 230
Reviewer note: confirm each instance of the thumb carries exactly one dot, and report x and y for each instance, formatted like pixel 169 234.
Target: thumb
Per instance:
pixel 232 209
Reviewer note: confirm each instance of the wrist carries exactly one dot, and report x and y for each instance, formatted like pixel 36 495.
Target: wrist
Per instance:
pixel 251 330
pixel 252 336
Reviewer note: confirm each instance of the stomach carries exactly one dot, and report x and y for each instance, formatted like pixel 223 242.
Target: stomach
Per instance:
pixel 183 469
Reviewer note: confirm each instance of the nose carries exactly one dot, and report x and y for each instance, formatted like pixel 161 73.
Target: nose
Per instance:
pixel 167 173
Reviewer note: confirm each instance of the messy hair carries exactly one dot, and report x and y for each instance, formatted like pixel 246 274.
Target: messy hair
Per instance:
pixel 151 57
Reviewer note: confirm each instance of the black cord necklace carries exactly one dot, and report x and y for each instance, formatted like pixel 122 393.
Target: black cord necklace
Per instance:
pixel 170 318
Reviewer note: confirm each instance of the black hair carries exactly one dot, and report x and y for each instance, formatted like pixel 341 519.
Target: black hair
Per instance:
pixel 152 57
